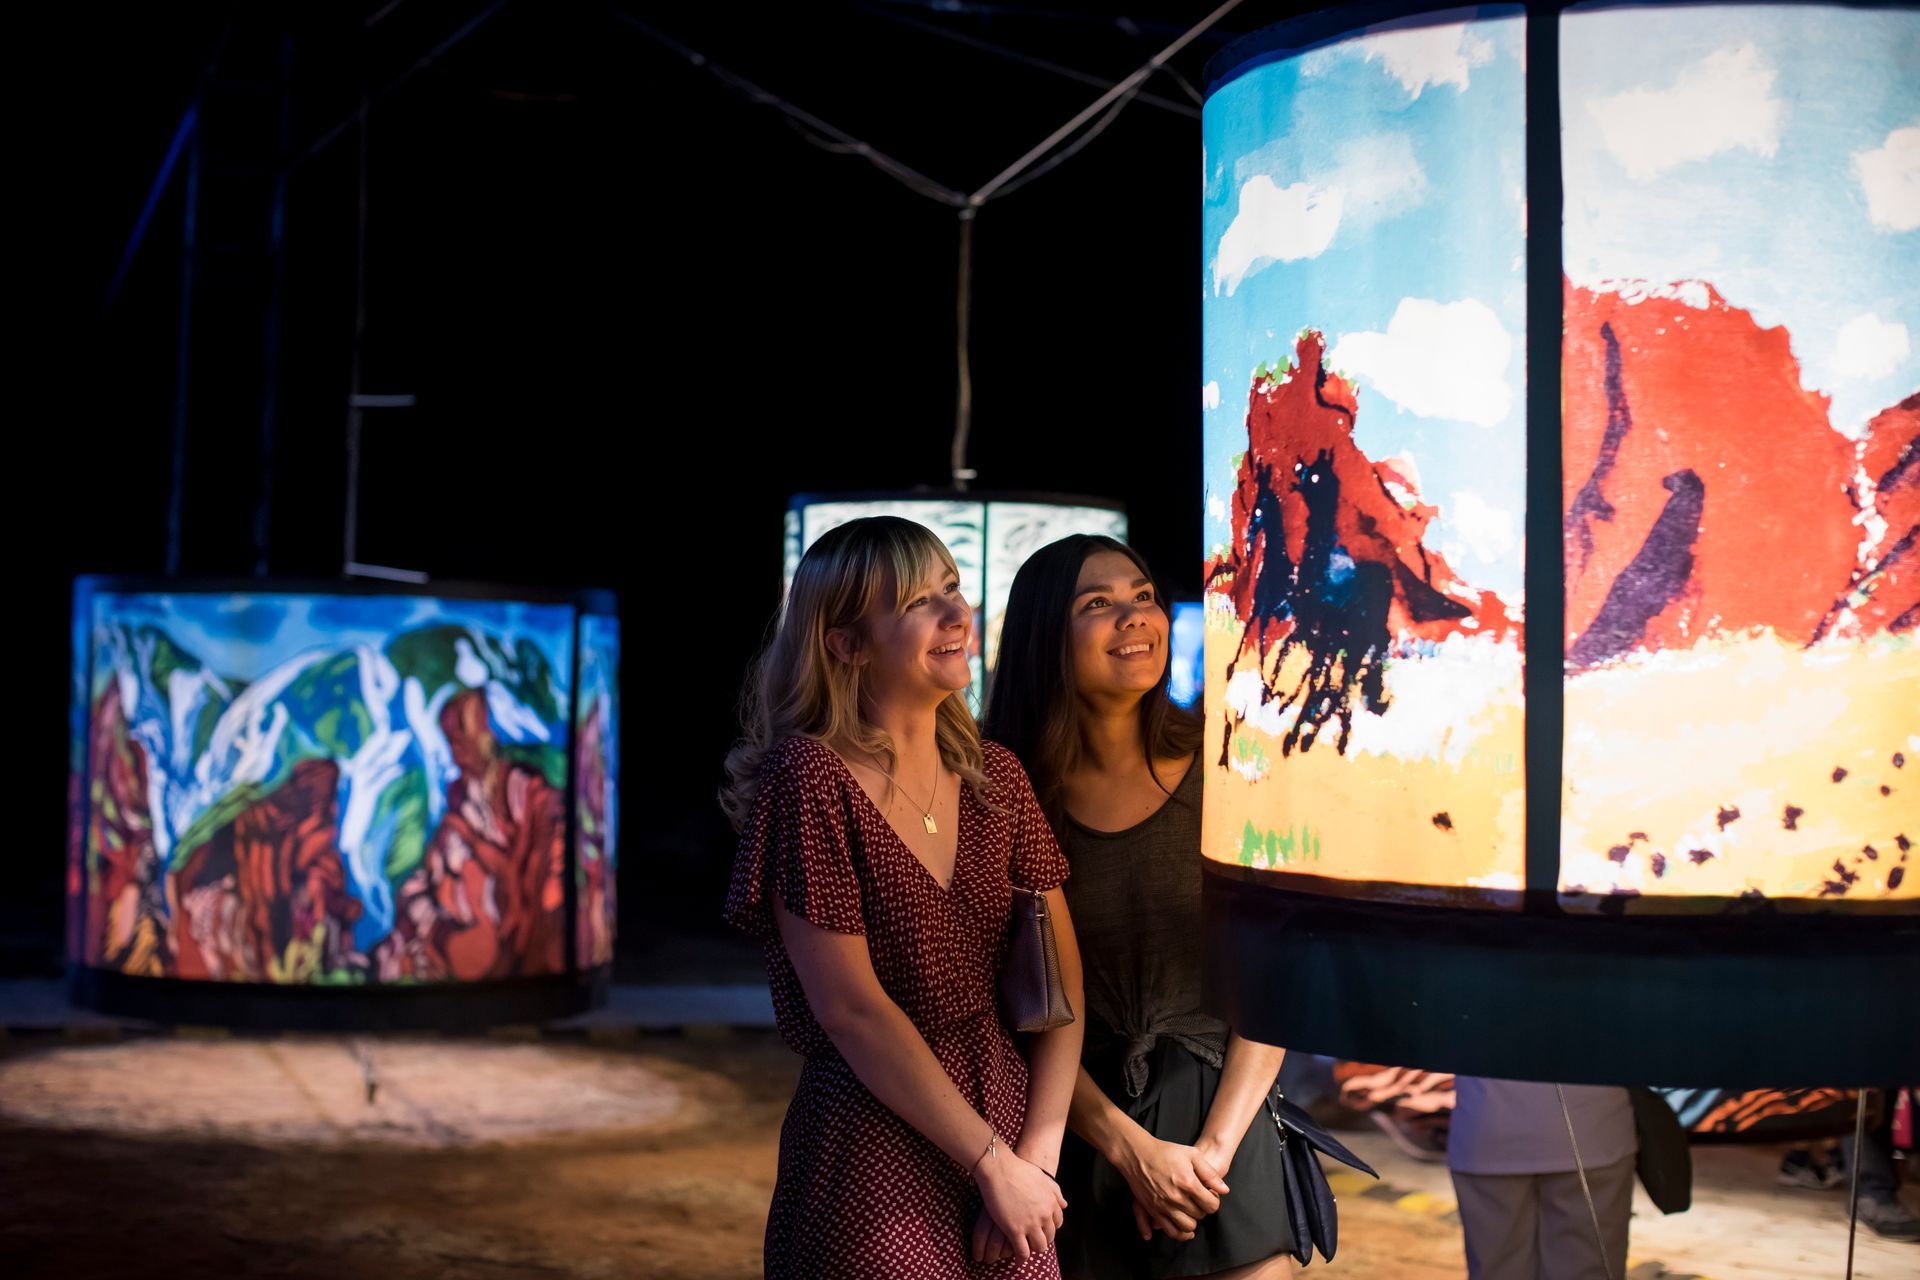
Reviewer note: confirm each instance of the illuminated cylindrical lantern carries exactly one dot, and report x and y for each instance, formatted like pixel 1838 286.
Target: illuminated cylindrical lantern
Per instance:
pixel 990 535
pixel 1563 519
pixel 341 805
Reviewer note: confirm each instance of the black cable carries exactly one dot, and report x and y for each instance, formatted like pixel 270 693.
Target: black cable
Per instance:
pixel 1072 149
pixel 844 142
pixel 421 64
pixel 182 136
pixel 1133 27
pixel 1041 64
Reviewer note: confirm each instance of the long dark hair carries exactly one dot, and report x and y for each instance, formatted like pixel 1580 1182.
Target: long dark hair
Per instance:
pixel 1032 708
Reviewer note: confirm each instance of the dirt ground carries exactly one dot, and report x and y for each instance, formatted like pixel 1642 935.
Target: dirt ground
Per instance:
pixel 684 1195
pixel 650 1156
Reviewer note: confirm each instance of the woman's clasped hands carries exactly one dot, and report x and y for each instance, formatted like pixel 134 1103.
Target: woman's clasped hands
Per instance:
pixel 1022 1209
pixel 1174 1186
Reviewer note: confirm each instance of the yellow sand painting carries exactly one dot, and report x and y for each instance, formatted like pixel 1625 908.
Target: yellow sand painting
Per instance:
pixel 1432 792
pixel 1746 765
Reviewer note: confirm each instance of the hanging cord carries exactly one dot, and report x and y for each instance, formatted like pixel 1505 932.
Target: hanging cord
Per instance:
pixel 1135 28
pixel 1039 160
pixel 1038 64
pixel 841 141
pixel 1185 84
pixel 1125 87
pixel 350 536
pixel 1009 180
pixel 1853 1174
pixel 183 134
pixel 1073 148
pixel 383 12
pixel 420 64
pixel 963 357
pixel 1599 1240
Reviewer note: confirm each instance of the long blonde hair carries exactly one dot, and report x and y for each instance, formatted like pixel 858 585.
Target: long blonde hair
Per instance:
pixel 797 687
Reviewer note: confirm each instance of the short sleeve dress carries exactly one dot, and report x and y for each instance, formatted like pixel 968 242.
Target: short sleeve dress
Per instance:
pixel 861 1193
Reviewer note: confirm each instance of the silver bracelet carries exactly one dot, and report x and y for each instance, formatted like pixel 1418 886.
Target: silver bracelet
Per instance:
pixel 992 1150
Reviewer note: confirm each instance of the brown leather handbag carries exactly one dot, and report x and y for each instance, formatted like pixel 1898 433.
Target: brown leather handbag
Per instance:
pixel 1032 990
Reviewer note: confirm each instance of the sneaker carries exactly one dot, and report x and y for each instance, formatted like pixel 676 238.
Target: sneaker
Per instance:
pixel 1801 1168
pixel 1890 1219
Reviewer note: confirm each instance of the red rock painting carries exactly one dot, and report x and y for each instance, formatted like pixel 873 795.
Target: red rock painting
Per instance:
pixel 1734 565
pixel 124 901
pixel 488 900
pixel 1885 591
pixel 1326 557
pixel 266 894
pixel 1705 489
pixel 595 888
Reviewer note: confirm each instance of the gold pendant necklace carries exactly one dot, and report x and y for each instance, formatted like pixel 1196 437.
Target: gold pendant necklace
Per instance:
pixel 926 814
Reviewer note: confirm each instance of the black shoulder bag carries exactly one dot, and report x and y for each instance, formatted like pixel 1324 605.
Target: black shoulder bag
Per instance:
pixel 1310 1204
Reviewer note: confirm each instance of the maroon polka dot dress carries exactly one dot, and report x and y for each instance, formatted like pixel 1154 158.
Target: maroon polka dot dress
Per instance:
pixel 860 1192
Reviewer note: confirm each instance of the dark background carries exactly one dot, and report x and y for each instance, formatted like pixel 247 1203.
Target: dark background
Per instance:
pixel 638 312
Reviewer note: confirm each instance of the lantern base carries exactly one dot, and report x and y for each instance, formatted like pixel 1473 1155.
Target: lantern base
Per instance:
pixel 1743 1003
pixel 261 1006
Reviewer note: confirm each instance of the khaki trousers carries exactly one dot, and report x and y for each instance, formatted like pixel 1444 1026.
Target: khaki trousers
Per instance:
pixel 1536 1226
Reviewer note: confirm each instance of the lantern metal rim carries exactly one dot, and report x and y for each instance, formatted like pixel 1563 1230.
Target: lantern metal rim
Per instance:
pixel 1292 36
pixel 1039 497
pixel 589 600
pixel 1753 917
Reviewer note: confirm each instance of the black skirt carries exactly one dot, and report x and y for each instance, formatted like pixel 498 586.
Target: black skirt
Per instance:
pixel 1099 1240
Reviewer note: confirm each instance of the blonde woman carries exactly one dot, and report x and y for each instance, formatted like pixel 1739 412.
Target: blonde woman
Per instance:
pixel 879 841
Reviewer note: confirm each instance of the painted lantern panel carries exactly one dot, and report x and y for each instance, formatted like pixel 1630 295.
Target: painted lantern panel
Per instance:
pixel 596 820
pixel 989 540
pixel 1741 493
pixel 1015 530
pixel 1365 470
pixel 312 789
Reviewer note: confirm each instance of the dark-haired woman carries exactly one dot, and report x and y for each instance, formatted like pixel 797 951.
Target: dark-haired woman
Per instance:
pixel 1173 1167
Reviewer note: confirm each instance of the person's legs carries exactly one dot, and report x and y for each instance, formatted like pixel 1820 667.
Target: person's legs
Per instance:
pixel 1880 1207
pixel 1498 1216
pixel 1566 1244
pixel 1879 1180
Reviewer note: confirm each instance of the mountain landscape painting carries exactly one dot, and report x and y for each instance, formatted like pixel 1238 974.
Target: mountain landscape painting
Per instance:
pixel 311 789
